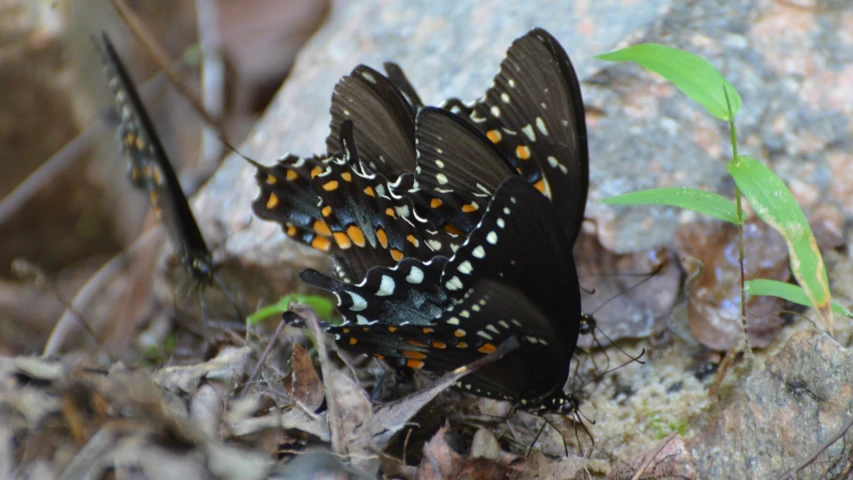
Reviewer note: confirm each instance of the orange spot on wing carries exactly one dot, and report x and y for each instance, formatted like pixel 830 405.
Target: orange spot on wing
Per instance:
pixel 321 243
pixel 470 207
pixel 415 364
pixel 439 345
pixel 414 241
pixel 322 228
pixel 390 212
pixel 326 211
pixel 290 230
pixel 392 329
pixel 417 344
pixel 522 152
pixel 291 175
pixel 272 202
pixel 316 171
pixel 342 240
pixel 451 229
pixel 330 186
pixel 487 348
pixel 356 235
pixel 540 185
pixel 346 176
pixel 435 203
pixel 396 255
pixel 415 355
pixel 494 136
pixel 428 330
pixel 382 237
pixel 459 333
pixel 271 180
pixel 368 190
pixel 353 341
pixel 461 345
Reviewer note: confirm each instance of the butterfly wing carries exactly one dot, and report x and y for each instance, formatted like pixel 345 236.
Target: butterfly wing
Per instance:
pixel 534 113
pixel 401 83
pixel 149 166
pixel 498 311
pixel 384 122
pixel 407 293
pixel 458 168
pixel 286 197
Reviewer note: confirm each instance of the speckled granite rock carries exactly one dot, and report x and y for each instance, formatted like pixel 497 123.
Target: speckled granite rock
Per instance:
pixel 781 415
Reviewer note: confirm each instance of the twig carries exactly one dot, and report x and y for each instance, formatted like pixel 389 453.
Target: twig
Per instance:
pixel 838 435
pixel 263 357
pixel 651 457
pixel 161 58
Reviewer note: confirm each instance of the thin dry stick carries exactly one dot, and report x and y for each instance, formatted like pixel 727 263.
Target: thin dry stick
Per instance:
pixel 162 60
pixel 263 357
pixel 406 444
pixel 93 287
pixel 843 431
pixel 46 172
pixel 651 457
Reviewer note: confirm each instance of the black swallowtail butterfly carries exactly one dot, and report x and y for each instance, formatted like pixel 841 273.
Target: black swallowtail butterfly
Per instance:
pixel 149 168
pixel 439 314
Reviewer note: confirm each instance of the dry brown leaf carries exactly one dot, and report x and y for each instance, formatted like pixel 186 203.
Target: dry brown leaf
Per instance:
pixel 709 252
pixel 303 383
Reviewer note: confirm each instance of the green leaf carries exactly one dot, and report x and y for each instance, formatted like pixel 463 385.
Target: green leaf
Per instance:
pixel 691 73
pixel 790 292
pixel 775 204
pixel 709 203
pixel 322 306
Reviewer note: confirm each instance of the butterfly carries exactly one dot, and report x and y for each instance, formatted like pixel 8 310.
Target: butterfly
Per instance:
pixel 151 171
pixel 513 276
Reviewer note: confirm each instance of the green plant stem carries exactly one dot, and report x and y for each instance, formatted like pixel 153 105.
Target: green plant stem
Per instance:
pixel 741 255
